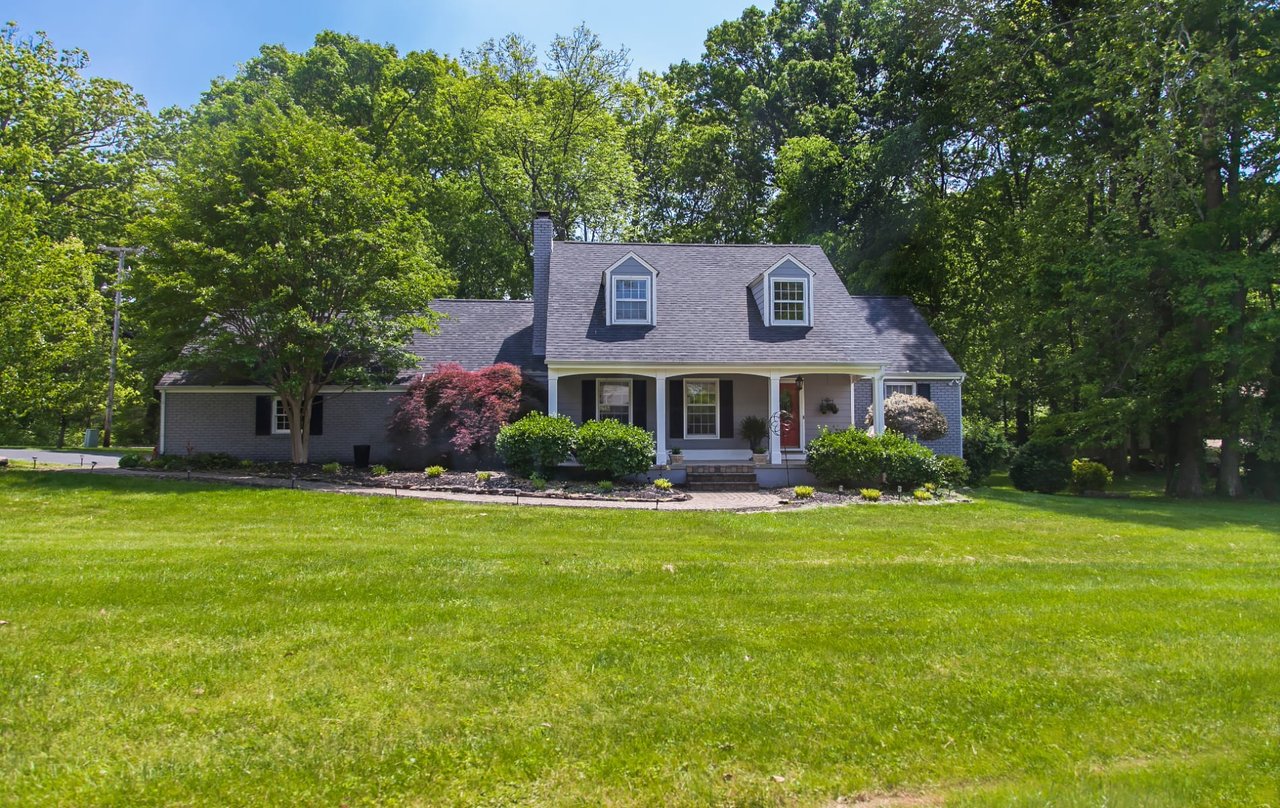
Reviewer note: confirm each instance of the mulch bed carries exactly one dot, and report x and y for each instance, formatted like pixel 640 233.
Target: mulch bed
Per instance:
pixel 466 482
pixel 822 496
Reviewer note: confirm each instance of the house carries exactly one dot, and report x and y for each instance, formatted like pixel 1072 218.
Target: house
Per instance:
pixel 683 339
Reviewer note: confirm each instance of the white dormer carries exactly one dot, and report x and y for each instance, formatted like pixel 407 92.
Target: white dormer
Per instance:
pixel 630 292
pixel 784 293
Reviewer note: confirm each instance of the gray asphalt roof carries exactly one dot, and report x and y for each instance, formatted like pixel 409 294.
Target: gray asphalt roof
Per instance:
pixel 473 333
pixel 705 312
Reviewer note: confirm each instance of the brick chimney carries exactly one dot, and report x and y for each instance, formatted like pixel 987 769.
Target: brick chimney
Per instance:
pixel 542 235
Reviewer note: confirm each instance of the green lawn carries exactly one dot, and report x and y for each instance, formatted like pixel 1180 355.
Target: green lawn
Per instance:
pixel 170 643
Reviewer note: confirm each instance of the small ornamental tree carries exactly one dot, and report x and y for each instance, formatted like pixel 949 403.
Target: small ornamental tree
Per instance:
pixel 913 416
pixel 469 406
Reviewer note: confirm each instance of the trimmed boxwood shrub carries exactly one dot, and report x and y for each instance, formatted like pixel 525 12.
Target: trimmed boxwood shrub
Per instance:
pixel 986 449
pixel 1089 475
pixel 129 460
pixel 907 463
pixel 849 457
pixel 854 458
pixel 1039 467
pixel 613 449
pixel 536 443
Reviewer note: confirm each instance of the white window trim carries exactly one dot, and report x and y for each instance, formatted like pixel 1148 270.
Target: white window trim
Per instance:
pixel 631 400
pixel 277 404
pixel 888 383
pixel 806 301
pixel 684 390
pixel 613 299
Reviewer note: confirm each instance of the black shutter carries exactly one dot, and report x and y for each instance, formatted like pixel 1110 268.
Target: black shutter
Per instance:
pixel 924 390
pixel 639 404
pixel 262 415
pixel 588 400
pixel 675 408
pixel 317 416
pixel 726 408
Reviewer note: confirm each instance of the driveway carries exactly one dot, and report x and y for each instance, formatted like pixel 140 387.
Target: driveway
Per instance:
pixel 85 458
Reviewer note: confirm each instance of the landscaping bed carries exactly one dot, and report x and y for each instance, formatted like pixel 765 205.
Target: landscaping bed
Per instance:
pixel 500 483
pixel 828 496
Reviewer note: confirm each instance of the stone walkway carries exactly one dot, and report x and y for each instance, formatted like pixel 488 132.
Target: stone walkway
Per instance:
pixel 698 501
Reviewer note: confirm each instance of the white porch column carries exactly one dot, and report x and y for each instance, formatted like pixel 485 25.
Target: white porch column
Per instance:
pixel 553 393
pixel 775 405
pixel 853 401
pixel 660 401
pixel 877 400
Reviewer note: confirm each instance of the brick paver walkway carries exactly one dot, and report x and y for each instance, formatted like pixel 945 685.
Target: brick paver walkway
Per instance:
pixel 699 500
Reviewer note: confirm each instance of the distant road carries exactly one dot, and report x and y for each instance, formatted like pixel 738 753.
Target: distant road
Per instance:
pixel 19 457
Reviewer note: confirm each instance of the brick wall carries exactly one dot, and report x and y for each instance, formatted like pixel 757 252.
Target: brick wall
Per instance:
pixel 224 422
pixel 946 395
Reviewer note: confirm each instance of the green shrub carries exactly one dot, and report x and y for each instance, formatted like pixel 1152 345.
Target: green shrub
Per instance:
pixel 614 449
pixel 955 472
pixel 538 482
pixel 605 486
pixel 854 458
pixel 248 464
pixel 755 430
pixel 906 463
pixel 1089 475
pixel 536 443
pixel 663 484
pixel 849 457
pixel 130 460
pixel 922 495
pixel 870 494
pixel 435 471
pixel 484 476
pixel 1039 467
pixel 804 491
pixel 986 449
pixel 379 470
pixel 331 468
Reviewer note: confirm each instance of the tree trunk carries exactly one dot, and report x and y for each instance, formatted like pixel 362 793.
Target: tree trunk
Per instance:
pixel 1021 415
pixel 1229 482
pixel 62 431
pixel 299 410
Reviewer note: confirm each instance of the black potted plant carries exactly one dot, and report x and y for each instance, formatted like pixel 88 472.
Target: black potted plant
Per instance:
pixel 756 430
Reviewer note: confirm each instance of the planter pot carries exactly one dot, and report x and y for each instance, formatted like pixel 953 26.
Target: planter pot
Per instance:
pixel 677 460
pixel 760 458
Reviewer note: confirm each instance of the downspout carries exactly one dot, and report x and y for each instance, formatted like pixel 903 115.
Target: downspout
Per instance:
pixel 163 404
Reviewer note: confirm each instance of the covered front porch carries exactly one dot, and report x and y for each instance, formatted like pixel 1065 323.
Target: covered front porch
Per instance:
pixel 698 410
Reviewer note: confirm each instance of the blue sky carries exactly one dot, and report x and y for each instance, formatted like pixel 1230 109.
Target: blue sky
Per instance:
pixel 171 50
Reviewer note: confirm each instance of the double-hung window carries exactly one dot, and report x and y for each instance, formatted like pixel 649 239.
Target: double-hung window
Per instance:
pixel 613 399
pixel 701 408
pixel 631 297
pixel 280 418
pixel 789 304
pixel 905 388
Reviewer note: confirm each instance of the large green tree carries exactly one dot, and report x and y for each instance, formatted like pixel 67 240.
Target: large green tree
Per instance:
pixel 72 149
pixel 293 260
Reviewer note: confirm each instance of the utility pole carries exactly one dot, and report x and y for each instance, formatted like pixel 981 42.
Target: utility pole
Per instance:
pixel 120 253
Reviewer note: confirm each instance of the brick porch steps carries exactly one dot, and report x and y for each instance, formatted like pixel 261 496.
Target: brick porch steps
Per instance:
pixel 721 477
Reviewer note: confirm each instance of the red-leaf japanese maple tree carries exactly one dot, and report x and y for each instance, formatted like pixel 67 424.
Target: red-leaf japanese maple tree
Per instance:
pixel 467 407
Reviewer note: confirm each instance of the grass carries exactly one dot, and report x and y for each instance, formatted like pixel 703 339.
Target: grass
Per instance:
pixel 174 643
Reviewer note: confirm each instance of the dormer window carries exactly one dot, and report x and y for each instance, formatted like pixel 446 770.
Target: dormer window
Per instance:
pixel 630 300
pixel 784 293
pixel 789 303
pixel 629 290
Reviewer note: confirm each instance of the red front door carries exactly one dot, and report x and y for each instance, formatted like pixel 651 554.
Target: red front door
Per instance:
pixel 789 402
